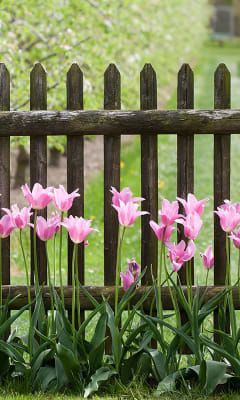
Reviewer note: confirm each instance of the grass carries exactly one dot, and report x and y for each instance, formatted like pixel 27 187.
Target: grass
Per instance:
pixel 130 176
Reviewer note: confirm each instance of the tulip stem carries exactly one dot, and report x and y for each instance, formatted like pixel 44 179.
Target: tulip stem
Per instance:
pixel 0 277
pixel 207 278
pixel 118 266
pixel 30 335
pixel 73 289
pixel 160 310
pixel 35 252
pixel 228 278
pixel 77 288
pixel 239 274
pixel 173 298
pixel 60 261
pixel 50 286
pixel 54 265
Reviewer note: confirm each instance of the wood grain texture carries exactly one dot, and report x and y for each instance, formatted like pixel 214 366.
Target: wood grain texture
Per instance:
pixel 149 177
pixel 222 161
pixel 38 160
pixel 5 169
pixel 75 168
pixel 185 151
pixel 112 123
pixel 112 148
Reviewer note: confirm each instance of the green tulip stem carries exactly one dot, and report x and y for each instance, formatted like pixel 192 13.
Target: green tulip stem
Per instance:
pixel 239 273
pixel 77 289
pixel 173 295
pixel 50 285
pixel 160 283
pixel 35 252
pixel 118 266
pixel 207 278
pixel 73 289
pixel 228 279
pixel 29 296
pixel 0 277
pixel 54 255
pixel 60 261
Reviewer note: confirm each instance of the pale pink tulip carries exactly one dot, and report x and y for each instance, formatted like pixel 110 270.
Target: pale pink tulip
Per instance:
pixel 39 197
pixel 125 196
pixel 55 219
pixel 236 238
pixel 127 279
pixel 208 259
pixel 192 224
pixel 169 212
pixel 63 201
pixel 133 267
pixel 6 226
pixel 20 218
pixel 180 254
pixel 159 229
pixel 45 229
pixel 127 213
pixel 192 205
pixel 227 204
pixel 78 228
pixel 229 218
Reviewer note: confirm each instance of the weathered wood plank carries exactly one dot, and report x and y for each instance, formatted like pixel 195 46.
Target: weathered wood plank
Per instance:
pixel 149 176
pixel 222 161
pixel 5 169
pixel 112 123
pixel 38 160
pixel 75 166
pixel 109 292
pixel 185 150
pixel 112 147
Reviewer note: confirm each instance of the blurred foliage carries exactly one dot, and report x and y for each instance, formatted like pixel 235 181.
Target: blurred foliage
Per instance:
pixel 95 33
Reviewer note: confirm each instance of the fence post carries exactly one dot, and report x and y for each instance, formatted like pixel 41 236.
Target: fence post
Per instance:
pixel 38 162
pixel 222 160
pixel 149 176
pixel 75 167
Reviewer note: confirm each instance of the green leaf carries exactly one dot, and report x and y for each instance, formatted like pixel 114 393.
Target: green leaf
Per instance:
pixel 6 325
pixel 101 375
pixel 168 384
pixel 4 364
pixel 44 377
pixel 97 342
pixel 69 361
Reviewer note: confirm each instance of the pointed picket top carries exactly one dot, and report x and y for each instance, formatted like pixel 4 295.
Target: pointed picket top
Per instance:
pixel 112 88
pixel 222 87
pixel 185 89
pixel 74 87
pixel 38 87
pixel 4 88
pixel 148 87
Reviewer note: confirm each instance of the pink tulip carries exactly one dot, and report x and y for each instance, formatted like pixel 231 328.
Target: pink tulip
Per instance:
pixel 208 259
pixel 127 213
pixel 55 219
pixel 6 226
pixel 229 218
pixel 227 204
pixel 236 238
pixel 133 267
pixel 86 244
pixel 192 224
pixel 159 229
pixel 45 229
pixel 180 254
pixel 78 228
pixel 192 204
pixel 169 212
pixel 20 219
pixel 39 197
pixel 127 279
pixel 125 196
pixel 62 199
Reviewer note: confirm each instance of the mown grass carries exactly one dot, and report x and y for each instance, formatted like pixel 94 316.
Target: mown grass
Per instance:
pixel 130 176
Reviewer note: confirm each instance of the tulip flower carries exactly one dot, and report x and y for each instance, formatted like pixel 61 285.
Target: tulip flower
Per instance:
pixel 78 228
pixel 180 254
pixel 127 279
pixel 169 212
pixel 45 229
pixel 133 267
pixel 192 205
pixel 236 238
pixel 192 224
pixel 6 226
pixel 55 219
pixel 62 199
pixel 125 196
pixel 127 213
pixel 208 258
pixel 159 229
pixel 39 197
pixel 20 218
pixel 229 217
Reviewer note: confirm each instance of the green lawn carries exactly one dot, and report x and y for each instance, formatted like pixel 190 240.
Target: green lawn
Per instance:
pixel 130 176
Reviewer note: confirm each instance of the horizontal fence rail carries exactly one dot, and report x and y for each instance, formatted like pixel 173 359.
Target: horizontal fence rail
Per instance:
pixel 112 123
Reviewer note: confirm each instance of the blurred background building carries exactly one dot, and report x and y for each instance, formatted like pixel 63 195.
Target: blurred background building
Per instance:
pixel 225 21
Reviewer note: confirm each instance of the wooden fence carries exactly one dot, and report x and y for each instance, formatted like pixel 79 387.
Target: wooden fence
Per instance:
pixel 112 123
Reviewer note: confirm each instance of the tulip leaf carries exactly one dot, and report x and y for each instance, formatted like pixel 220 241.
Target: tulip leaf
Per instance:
pixel 101 375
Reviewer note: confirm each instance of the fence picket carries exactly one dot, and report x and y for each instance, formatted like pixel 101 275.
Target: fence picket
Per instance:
pixel 38 161
pixel 5 169
pixel 149 176
pixel 75 166
pixel 222 154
